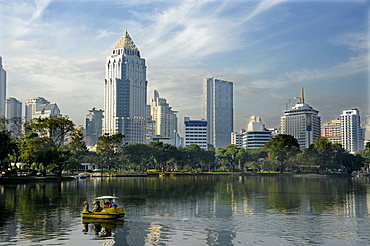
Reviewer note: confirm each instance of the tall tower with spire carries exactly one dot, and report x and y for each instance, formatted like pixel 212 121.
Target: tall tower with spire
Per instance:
pixel 302 122
pixel 125 90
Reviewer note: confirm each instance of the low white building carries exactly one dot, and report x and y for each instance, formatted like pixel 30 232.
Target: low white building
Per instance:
pixel 256 135
pixel 195 132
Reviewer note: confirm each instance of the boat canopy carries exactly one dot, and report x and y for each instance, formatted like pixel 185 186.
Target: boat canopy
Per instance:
pixel 105 197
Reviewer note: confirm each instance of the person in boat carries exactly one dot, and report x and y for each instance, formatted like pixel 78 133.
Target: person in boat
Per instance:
pixel 112 203
pixel 106 204
pixel 97 207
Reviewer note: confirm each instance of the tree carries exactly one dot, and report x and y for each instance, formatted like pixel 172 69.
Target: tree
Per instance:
pixel 140 156
pixel 228 156
pixel 56 128
pixel 7 148
pixel 282 148
pixel 108 148
pixel 31 147
pixel 323 155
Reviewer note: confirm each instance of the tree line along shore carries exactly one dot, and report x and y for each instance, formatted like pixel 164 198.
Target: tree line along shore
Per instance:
pixel 54 145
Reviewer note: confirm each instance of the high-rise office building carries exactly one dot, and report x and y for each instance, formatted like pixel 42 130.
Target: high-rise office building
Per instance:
pixel 165 118
pixel 218 110
pixel 13 108
pixel 93 125
pixel 14 116
pixel 125 88
pixel 350 130
pixel 31 107
pixel 302 122
pixel 2 88
pixel 331 131
pixel 195 132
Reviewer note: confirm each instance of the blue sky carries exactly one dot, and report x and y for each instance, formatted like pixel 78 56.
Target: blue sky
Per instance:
pixel 269 49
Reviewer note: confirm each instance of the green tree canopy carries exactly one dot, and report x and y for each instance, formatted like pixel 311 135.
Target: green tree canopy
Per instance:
pixel 56 128
pixel 282 148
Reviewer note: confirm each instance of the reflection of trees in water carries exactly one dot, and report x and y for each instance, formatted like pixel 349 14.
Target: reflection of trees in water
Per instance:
pixel 41 210
pixel 293 194
pixel 47 210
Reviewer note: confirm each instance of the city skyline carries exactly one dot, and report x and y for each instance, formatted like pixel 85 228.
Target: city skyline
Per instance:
pixel 269 49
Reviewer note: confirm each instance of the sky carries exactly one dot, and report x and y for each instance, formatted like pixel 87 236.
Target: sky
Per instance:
pixel 270 49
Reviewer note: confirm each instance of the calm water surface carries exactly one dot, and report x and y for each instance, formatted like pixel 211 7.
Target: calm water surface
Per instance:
pixel 191 210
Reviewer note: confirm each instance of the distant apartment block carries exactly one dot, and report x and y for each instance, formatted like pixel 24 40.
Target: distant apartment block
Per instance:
pixel 93 126
pixel 31 106
pixel 331 131
pixel 237 138
pixel 218 110
pixel 47 110
pixel 2 88
pixel 350 130
pixel 195 132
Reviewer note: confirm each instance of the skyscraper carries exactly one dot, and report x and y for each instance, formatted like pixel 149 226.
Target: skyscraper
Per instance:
pixel 218 110
pixel 13 108
pixel 165 118
pixel 32 105
pixel 2 88
pixel 302 122
pixel 350 130
pixel 14 116
pixel 125 89
pixel 94 119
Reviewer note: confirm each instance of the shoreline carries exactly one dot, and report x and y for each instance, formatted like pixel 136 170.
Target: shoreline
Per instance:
pixel 7 180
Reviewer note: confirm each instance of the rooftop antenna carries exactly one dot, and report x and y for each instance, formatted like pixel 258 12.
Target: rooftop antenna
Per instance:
pixel 302 94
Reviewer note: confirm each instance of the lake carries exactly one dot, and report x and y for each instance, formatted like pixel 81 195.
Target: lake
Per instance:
pixel 191 210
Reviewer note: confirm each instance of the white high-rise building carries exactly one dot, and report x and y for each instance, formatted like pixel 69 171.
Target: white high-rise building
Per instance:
pixel 218 110
pixel 367 128
pixel 2 88
pixel 125 88
pixel 165 118
pixel 93 125
pixel 302 122
pixel 195 132
pixel 13 108
pixel 31 107
pixel 14 116
pixel 350 130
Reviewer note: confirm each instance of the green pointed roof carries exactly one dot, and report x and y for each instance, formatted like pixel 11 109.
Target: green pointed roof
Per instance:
pixel 126 42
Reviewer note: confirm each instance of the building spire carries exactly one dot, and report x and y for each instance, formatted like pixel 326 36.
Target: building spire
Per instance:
pixel 302 94
pixel 126 42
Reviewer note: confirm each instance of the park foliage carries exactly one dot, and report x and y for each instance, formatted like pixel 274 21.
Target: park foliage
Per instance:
pixel 55 145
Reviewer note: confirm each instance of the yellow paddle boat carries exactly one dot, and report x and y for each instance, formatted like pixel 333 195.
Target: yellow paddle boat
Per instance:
pixel 108 210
